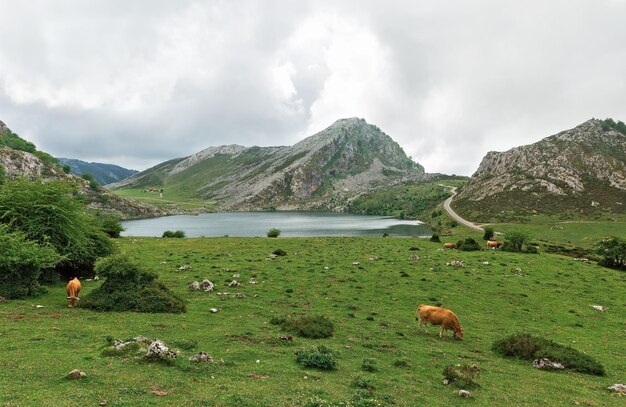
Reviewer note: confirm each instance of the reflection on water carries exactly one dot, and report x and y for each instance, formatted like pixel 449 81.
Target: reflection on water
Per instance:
pixel 291 224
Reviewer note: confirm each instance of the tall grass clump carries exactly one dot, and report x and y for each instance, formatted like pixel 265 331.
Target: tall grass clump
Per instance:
pixel 315 327
pixel 529 347
pixel 129 288
pixel 319 357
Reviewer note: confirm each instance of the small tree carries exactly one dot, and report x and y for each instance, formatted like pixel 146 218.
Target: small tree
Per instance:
pixel 273 232
pixel 21 263
pixel 515 240
pixel 488 233
pixel 129 288
pixel 613 252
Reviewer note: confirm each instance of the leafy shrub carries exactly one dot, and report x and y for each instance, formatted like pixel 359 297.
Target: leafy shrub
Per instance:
pixel 369 365
pixel 319 357
pixel 529 347
pixel 468 245
pixel 171 234
pixel 515 240
pixel 93 184
pixel 613 252
pixel 51 213
pixel 489 233
pixel 435 238
pixel 21 264
pixel 315 327
pixel 462 376
pixel 111 226
pixel 363 382
pixel 273 232
pixel 128 288
pixel 279 252
pixel 401 363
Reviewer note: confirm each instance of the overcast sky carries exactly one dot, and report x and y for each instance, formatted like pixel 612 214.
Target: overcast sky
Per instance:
pixel 138 82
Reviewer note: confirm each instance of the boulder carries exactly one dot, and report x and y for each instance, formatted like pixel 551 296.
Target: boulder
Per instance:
pixel 465 393
pixel 76 374
pixel 158 350
pixel 207 285
pixel 544 363
pixel 620 388
pixel 201 357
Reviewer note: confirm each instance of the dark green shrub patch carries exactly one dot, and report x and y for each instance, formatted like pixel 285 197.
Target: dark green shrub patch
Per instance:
pixel 279 252
pixel 171 234
pixel 468 245
pixel 435 238
pixel 462 376
pixel 529 347
pixel 128 288
pixel 319 357
pixel 273 232
pixel 314 327
pixel 363 382
pixel 369 365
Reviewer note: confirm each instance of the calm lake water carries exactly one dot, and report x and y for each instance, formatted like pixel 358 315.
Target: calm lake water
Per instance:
pixel 291 224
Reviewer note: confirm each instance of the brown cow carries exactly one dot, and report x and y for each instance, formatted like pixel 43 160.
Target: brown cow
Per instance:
pixel 72 289
pixel 493 244
pixel 449 245
pixel 427 314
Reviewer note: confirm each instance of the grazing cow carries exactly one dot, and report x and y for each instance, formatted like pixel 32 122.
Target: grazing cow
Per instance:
pixel 72 289
pixel 492 244
pixel 427 314
pixel 449 245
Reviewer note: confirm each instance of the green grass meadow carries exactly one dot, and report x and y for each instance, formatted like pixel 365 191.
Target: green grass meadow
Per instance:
pixel 372 305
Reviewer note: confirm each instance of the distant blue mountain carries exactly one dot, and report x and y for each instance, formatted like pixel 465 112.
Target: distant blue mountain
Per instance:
pixel 103 173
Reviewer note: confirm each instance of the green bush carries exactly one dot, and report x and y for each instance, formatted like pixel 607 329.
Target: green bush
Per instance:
pixel 111 225
pixel 171 234
pixel 128 288
pixel 315 327
pixel 319 357
pixel 435 238
pixel 273 232
pixel 613 252
pixel 468 245
pixel 369 365
pixel 515 240
pixel 489 233
pixel 21 264
pixel 462 376
pixel 529 347
pixel 51 213
pixel 279 252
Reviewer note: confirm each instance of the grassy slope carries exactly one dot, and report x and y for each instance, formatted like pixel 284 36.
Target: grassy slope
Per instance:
pixel 551 299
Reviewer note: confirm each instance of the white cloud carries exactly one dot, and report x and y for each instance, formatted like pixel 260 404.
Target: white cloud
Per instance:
pixel 141 82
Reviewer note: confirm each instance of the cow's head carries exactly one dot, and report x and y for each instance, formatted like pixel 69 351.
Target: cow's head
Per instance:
pixel 459 333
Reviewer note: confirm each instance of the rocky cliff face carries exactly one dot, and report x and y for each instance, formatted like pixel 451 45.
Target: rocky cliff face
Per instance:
pixel 582 170
pixel 21 164
pixel 322 172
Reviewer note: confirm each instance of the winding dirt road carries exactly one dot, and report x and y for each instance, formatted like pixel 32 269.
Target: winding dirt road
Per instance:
pixel 455 216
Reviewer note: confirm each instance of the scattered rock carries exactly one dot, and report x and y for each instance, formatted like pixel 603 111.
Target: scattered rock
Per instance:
pixel 160 393
pixel 195 285
pixel 356 263
pixel 446 382
pixel 236 275
pixel 582 259
pixel 620 388
pixel 96 278
pixel 414 257
pixel 485 263
pixel 517 271
pixel 184 267
pixel 240 295
pixel 286 337
pixel 465 393
pixel 158 350
pixel 373 258
pixel 76 374
pixel 38 306
pixel 233 283
pixel 253 281
pixel 213 310
pixel 201 357
pixel 599 307
pixel 544 363
pixel 103 403
pixel 456 263
pixel 207 285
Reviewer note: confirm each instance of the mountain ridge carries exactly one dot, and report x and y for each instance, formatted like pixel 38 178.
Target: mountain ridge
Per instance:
pixel 102 173
pixel 321 172
pixel 582 169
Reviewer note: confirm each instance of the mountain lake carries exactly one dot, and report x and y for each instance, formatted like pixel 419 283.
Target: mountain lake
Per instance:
pixel 291 224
